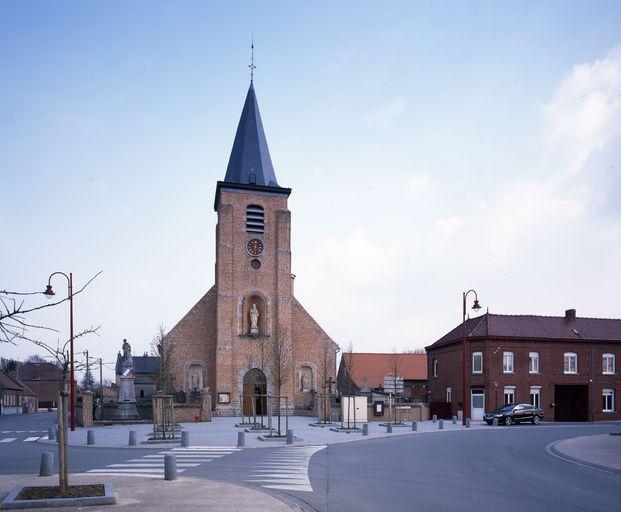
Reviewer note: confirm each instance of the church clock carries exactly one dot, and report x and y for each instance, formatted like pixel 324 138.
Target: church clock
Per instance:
pixel 254 247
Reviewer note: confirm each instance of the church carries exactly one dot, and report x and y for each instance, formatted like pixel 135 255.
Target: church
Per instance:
pixel 248 335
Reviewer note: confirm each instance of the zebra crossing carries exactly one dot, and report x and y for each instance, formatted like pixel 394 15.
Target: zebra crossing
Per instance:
pixel 152 465
pixel 285 469
pixel 14 435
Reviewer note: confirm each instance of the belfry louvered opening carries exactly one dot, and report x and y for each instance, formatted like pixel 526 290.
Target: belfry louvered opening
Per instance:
pixel 255 219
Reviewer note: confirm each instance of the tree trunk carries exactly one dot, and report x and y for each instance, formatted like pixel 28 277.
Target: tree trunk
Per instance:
pixel 63 479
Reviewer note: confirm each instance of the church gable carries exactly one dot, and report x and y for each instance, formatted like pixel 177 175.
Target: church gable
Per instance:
pixel 192 345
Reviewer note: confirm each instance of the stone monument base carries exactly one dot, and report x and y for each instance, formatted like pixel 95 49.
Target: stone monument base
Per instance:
pixel 126 411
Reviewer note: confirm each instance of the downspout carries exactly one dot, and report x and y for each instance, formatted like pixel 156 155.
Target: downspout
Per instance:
pixel 590 399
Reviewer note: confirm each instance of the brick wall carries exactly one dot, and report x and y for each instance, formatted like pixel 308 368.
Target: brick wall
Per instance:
pixel 551 373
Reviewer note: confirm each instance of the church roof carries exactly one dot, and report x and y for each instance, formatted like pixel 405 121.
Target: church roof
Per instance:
pixel 250 161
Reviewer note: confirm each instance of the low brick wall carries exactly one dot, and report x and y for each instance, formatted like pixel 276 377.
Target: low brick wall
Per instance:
pixel 410 412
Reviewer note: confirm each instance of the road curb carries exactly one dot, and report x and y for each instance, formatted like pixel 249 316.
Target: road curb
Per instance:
pixel 10 503
pixel 551 449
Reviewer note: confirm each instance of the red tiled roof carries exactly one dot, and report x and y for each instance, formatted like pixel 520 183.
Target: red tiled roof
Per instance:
pixel 8 382
pixel 536 327
pixel 38 371
pixel 375 367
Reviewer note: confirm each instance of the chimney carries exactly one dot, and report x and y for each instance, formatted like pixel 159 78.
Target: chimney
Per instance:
pixel 570 314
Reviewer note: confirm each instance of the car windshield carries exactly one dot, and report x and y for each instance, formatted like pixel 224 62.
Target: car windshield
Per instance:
pixel 506 408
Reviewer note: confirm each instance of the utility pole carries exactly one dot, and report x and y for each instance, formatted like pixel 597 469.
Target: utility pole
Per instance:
pixel 100 380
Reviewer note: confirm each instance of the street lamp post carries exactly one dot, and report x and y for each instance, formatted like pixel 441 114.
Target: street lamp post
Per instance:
pixel 50 293
pixel 464 400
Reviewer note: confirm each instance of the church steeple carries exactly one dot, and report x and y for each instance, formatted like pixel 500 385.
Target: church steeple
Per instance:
pixel 250 162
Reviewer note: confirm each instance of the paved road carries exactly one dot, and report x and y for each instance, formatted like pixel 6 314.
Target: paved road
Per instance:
pixel 489 469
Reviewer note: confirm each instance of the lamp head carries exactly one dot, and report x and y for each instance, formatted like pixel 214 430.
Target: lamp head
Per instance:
pixel 49 293
pixel 476 306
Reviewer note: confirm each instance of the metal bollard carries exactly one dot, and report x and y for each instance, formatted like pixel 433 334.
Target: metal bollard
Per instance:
pixel 467 422
pixel 90 437
pixel 289 436
pixel 441 425
pixel 454 420
pixel 133 438
pixel 47 464
pixel 435 418
pixel 414 426
pixel 495 422
pixel 185 439
pixel 365 429
pixel 51 433
pixel 241 439
pixel 389 428
pixel 170 467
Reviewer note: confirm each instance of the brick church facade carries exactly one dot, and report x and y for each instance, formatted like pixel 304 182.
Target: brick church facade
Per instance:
pixel 248 334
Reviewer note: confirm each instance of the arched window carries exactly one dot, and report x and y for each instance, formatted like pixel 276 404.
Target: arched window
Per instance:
pixel 255 219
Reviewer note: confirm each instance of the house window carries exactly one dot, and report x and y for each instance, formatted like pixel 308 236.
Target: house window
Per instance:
pixel 477 362
pixel 435 368
pixel 608 364
pixel 449 395
pixel 255 219
pixel 509 394
pixel 535 396
pixel 608 396
pixel 570 362
pixel 507 362
pixel 533 362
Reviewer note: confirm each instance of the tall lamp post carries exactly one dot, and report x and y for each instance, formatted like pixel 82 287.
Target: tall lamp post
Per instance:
pixel 464 400
pixel 49 293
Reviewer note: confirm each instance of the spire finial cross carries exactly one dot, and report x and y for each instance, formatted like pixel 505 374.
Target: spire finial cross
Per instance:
pixel 251 65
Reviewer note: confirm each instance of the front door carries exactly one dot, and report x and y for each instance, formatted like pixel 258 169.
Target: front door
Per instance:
pixel 477 401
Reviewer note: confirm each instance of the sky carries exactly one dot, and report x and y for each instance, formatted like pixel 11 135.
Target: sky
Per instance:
pixel 432 147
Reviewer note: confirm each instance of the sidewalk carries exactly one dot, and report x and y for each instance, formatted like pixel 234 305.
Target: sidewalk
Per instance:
pixel 148 495
pixel 223 433
pixel 601 451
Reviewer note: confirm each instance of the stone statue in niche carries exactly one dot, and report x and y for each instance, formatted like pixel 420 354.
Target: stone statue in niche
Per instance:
pixel 254 320
pixel 195 381
pixel 305 378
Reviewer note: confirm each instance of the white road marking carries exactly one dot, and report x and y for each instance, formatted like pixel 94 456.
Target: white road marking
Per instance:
pixel 286 470
pixel 8 439
pixel 130 470
pixel 148 465
pixel 30 439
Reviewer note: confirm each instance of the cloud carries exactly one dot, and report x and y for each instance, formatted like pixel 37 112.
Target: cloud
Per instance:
pixel 383 118
pixel 449 225
pixel 584 114
pixel 417 182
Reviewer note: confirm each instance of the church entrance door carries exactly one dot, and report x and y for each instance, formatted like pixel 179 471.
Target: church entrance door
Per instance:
pixel 255 383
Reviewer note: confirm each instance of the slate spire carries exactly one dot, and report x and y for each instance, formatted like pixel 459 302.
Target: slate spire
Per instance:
pixel 250 162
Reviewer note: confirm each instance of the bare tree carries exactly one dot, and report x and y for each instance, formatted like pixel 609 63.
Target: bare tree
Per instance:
pixel 281 367
pixel 14 312
pixel 326 382
pixel 15 326
pixel 162 346
pixel 396 378
pixel 348 363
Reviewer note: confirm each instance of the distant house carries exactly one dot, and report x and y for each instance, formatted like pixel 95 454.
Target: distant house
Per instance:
pixel 146 369
pixel 366 373
pixel 44 379
pixel 15 396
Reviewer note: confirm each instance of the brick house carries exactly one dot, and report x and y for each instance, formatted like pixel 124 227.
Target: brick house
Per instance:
pixel 44 379
pixel 15 396
pixel 566 365
pixel 232 339
pixel 365 372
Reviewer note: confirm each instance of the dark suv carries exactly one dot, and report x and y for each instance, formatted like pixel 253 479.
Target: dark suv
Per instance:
pixel 515 413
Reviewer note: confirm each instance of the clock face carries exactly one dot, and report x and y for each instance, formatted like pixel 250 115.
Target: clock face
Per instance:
pixel 254 247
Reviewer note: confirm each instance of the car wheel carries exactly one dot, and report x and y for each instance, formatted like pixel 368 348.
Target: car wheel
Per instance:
pixel 535 420
pixel 508 421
